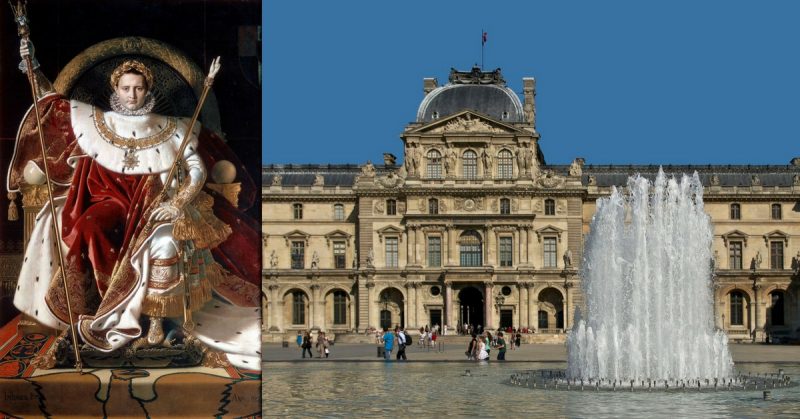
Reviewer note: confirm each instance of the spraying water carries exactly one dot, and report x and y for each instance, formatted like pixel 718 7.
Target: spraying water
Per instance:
pixel 647 281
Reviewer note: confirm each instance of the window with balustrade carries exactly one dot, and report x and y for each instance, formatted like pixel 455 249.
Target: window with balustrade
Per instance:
pixel 471 248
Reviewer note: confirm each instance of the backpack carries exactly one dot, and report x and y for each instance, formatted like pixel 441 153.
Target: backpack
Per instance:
pixel 408 338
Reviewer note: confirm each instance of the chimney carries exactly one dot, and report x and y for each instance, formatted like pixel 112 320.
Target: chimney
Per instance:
pixel 389 159
pixel 428 84
pixel 529 96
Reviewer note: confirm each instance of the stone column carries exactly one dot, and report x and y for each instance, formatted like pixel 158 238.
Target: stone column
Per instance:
pixel 415 248
pixel 491 247
pixel 417 305
pixel 517 250
pixel 452 252
pixel 758 327
pixel 409 250
pixel 275 319
pixel 448 304
pixel 410 307
pixel 313 307
pixel 371 319
pixel 446 246
pixel 568 305
pixel 353 313
pixel 526 234
pixel 533 308
pixel 488 299
pixel 523 304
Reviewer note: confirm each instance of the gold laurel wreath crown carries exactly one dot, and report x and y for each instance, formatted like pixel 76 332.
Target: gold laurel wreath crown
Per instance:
pixel 132 66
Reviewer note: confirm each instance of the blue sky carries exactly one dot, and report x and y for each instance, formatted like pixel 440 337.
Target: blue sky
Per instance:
pixel 622 82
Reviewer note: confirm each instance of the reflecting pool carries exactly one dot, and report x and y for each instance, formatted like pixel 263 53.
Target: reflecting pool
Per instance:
pixel 426 389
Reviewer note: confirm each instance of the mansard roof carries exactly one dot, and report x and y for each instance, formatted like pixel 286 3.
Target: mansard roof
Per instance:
pixel 728 175
pixel 303 174
pixel 605 175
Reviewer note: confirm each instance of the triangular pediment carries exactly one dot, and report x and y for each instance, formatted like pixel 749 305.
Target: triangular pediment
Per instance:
pixel 337 235
pixel 734 235
pixel 467 122
pixel 390 230
pixel 776 235
pixel 296 235
pixel 549 230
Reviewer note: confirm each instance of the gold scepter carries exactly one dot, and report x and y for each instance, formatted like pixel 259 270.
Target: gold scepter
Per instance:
pixel 24 32
pixel 188 324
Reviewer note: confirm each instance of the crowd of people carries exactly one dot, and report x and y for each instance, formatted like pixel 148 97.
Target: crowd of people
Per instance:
pixel 395 341
pixel 322 344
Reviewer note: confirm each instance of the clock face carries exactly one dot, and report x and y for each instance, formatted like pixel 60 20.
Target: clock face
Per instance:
pixel 469 205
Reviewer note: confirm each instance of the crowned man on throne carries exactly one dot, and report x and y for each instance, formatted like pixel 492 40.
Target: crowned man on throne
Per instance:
pixel 132 259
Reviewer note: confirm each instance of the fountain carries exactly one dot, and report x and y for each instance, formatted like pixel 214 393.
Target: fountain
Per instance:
pixel 647 283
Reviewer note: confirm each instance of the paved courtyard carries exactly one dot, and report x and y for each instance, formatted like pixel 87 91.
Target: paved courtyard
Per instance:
pixel 452 349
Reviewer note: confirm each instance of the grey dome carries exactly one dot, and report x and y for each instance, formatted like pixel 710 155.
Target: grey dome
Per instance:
pixel 483 92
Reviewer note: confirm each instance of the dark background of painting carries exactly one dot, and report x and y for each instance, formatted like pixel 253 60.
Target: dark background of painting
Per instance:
pixel 202 29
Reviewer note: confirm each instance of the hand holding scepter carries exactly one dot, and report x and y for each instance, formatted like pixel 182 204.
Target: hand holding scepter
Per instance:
pixel 24 32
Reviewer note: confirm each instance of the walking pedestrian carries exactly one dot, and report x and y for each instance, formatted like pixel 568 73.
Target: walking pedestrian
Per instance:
pixel 471 349
pixel 517 339
pixel 401 344
pixel 307 345
pixel 299 339
pixel 388 343
pixel 501 347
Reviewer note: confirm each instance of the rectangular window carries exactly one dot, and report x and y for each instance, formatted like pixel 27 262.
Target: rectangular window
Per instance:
pixel 391 207
pixel 338 212
pixel 298 211
pixel 339 255
pixel 298 255
pixel 776 255
pixel 434 252
pixel 550 252
pixel 506 251
pixel 776 211
pixel 391 252
pixel 735 249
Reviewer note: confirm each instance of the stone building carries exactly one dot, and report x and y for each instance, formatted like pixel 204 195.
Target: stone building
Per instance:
pixel 475 227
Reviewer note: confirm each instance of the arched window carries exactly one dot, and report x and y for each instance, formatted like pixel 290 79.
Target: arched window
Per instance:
pixel 505 165
pixel 434 164
pixel 338 212
pixel 433 206
pixel 471 248
pixel 549 207
pixel 470 165
pixel 776 308
pixel 298 307
pixel 776 211
pixel 736 212
pixel 298 211
pixel 737 308
pixel 505 206
pixel 339 307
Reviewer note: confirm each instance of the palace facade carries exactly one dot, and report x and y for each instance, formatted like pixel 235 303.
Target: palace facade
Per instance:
pixel 474 227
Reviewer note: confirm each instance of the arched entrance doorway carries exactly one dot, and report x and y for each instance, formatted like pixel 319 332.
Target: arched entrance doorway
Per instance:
pixel 391 312
pixel 551 309
pixel 471 307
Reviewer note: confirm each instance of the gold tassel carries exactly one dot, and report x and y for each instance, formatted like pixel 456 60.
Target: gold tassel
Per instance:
pixel 172 305
pixel 13 211
pixel 204 228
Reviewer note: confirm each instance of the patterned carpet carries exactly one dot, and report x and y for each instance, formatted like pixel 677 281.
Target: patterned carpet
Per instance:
pixel 129 392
